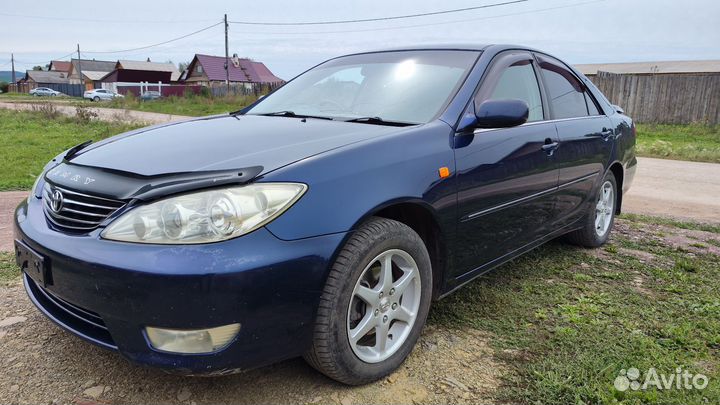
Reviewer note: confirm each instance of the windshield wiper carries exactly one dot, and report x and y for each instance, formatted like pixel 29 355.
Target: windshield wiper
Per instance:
pixel 287 113
pixel 379 121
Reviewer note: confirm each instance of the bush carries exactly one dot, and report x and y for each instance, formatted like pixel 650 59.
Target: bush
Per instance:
pixel 4 86
pixel 48 110
pixel 85 114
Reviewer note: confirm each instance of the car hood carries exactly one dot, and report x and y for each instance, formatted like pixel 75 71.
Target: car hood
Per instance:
pixel 223 143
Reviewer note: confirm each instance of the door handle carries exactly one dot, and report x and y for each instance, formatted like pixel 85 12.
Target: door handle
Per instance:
pixel 606 133
pixel 549 146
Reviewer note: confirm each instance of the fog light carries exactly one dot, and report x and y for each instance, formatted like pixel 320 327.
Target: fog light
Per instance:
pixel 192 341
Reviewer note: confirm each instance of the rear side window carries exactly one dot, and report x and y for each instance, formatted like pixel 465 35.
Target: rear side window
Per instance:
pixel 592 108
pixel 518 81
pixel 565 92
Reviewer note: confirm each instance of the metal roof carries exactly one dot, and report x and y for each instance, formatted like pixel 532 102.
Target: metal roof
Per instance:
pixel 150 66
pixel 93 65
pixel 679 66
pixel 60 65
pixel 44 76
pixel 240 70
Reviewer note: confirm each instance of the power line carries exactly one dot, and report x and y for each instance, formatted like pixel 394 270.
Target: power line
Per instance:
pixel 44 62
pixel 457 10
pixel 419 25
pixel 159 43
pixel 38 17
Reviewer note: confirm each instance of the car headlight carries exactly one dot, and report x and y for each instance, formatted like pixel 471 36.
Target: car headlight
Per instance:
pixel 206 216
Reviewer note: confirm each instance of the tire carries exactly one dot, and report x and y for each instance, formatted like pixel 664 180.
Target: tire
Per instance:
pixel 96 98
pixel 595 232
pixel 341 311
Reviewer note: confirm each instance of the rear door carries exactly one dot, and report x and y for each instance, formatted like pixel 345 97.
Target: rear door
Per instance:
pixel 506 177
pixel 586 138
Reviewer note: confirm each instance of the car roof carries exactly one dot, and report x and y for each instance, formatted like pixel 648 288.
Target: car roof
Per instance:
pixel 450 47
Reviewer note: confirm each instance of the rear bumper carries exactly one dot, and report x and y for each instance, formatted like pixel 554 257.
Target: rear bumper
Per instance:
pixel 107 292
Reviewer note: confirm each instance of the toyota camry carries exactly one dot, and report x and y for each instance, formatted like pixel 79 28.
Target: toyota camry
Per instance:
pixel 324 219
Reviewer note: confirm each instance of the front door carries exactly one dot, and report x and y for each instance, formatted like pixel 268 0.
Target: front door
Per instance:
pixel 507 177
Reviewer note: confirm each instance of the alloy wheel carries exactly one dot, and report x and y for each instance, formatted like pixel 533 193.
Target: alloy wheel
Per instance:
pixel 604 209
pixel 384 306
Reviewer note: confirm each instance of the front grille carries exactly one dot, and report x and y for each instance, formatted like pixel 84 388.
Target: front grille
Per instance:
pixel 78 320
pixel 73 211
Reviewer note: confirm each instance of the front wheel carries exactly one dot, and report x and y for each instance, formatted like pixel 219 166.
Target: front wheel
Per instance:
pixel 374 304
pixel 600 218
pixel 96 98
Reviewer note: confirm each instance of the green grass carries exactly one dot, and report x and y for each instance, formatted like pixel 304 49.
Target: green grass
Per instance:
pixel 695 142
pixel 9 271
pixel 189 105
pixel 192 105
pixel 566 329
pixel 28 140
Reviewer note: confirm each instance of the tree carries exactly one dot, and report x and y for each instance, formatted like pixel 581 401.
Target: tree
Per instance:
pixel 37 67
pixel 182 66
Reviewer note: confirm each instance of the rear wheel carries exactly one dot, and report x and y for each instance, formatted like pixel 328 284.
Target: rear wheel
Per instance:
pixel 600 218
pixel 374 304
pixel 96 98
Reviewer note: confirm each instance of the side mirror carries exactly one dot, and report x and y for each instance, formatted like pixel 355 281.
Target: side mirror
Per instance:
pixel 618 109
pixel 501 113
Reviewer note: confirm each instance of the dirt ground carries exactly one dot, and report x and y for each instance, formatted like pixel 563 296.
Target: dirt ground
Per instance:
pixel 106 114
pixel 675 188
pixel 43 364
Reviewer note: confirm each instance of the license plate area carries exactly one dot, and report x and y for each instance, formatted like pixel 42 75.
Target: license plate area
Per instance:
pixel 32 263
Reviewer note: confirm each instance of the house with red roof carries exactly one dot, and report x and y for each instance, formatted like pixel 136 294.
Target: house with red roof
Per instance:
pixel 207 69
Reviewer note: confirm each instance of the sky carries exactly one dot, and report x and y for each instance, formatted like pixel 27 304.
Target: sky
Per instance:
pixel 577 31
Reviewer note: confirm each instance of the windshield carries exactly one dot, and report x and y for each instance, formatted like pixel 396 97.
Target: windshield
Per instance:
pixel 403 86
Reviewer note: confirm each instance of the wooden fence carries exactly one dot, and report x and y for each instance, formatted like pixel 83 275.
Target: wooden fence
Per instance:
pixel 664 99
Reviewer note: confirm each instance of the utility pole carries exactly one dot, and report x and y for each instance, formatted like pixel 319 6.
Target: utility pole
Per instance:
pixel 82 80
pixel 227 58
pixel 12 60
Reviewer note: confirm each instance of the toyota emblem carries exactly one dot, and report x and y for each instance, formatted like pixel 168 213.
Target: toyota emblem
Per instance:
pixel 56 203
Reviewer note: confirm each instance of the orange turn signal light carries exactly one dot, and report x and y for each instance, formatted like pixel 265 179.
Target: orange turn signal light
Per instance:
pixel 444 172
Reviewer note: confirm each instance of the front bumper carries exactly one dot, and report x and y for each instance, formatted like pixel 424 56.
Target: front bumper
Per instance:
pixel 107 292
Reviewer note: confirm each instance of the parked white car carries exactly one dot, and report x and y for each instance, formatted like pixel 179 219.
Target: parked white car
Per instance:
pixel 101 94
pixel 44 91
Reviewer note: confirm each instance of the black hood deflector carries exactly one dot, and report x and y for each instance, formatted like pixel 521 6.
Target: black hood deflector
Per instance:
pixel 122 185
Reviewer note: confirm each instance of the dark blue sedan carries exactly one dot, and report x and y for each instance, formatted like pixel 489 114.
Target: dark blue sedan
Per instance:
pixel 323 220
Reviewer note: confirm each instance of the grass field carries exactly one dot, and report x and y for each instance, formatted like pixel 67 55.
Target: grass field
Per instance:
pixel 194 106
pixel 699 143
pixel 191 105
pixel 565 321
pixel 28 140
pixel 568 320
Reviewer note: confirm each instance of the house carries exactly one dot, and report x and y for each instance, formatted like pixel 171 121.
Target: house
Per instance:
pixel 129 71
pixel 60 66
pixel 44 78
pixel 92 71
pixel 207 69
pixel 139 66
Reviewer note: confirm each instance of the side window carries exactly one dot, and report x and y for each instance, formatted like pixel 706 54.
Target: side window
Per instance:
pixel 592 108
pixel 518 81
pixel 565 92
